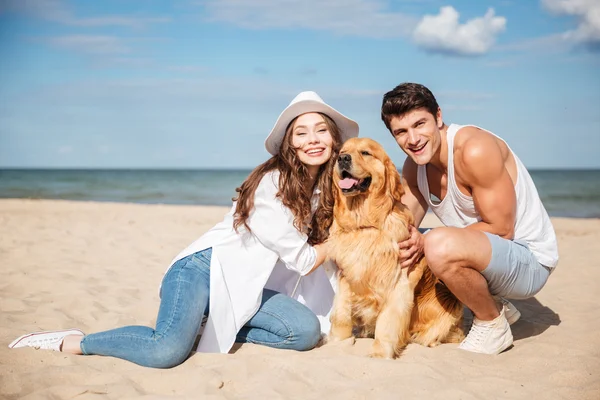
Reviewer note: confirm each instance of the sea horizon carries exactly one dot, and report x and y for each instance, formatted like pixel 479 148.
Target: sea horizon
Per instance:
pixel 565 192
pixel 225 169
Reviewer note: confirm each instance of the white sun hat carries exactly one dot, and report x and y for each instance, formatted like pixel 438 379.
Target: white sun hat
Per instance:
pixel 304 103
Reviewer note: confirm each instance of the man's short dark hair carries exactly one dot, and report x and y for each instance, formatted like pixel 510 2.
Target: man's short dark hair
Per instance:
pixel 405 98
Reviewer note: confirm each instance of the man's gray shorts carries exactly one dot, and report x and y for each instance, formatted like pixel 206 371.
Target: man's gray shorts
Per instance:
pixel 513 271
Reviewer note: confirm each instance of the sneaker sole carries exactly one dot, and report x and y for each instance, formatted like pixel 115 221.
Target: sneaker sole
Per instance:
pixel 507 344
pixel 14 343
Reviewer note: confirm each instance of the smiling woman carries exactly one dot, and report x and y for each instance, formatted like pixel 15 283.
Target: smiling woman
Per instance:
pixel 313 140
pixel 256 275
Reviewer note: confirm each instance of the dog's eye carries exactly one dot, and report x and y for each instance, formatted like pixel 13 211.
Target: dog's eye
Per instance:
pixel 365 153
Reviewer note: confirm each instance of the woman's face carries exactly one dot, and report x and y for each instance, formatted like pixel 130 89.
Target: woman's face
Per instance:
pixel 312 140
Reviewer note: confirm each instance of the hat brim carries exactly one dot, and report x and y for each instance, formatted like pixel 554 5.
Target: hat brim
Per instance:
pixel 348 128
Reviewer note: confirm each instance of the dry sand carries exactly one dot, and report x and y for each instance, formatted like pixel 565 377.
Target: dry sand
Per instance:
pixel 96 266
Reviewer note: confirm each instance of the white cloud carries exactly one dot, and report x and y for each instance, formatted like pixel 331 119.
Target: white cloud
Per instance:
pixel 587 13
pixel 102 47
pixel 344 17
pixel 443 33
pixel 57 11
pixel 90 44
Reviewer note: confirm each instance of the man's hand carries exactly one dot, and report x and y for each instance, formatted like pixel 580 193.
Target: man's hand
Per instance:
pixel 411 249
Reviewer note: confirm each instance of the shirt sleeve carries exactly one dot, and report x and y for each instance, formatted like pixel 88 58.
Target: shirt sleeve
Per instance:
pixel 272 224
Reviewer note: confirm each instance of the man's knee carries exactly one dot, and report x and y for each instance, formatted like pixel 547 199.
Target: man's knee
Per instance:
pixel 439 247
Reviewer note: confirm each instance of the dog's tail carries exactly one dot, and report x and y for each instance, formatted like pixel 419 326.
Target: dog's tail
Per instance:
pixel 438 315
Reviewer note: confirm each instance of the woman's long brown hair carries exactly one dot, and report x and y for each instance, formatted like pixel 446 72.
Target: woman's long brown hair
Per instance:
pixel 292 189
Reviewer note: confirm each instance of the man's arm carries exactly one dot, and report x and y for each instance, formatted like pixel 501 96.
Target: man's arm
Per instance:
pixel 412 197
pixel 411 249
pixel 481 165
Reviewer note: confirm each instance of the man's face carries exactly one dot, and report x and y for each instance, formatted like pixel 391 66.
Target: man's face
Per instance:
pixel 418 133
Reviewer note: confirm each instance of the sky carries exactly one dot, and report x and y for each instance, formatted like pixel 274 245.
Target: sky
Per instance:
pixel 199 84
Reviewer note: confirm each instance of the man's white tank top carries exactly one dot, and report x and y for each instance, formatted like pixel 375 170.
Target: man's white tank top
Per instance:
pixel 532 224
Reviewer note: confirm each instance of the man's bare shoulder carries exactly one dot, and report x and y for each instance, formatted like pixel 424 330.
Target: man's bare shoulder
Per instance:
pixel 475 151
pixel 473 144
pixel 409 171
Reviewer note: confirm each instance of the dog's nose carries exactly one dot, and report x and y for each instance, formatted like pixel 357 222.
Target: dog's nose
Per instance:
pixel 344 159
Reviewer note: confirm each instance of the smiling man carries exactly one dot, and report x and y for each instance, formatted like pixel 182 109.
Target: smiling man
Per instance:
pixel 498 241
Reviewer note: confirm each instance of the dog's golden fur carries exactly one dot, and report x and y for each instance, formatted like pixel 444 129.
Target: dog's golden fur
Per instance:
pixel 375 295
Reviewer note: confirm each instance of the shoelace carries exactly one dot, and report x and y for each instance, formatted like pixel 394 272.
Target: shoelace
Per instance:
pixel 46 344
pixel 477 334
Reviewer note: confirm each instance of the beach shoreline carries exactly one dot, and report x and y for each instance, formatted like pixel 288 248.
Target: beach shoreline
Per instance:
pixel 98 265
pixel 565 193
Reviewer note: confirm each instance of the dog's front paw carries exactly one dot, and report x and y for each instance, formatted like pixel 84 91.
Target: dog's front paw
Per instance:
pixel 380 355
pixel 333 340
pixel 340 332
pixel 382 350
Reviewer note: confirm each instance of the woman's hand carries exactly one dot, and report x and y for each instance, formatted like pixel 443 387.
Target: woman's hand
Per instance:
pixel 322 253
pixel 412 248
pixel 322 250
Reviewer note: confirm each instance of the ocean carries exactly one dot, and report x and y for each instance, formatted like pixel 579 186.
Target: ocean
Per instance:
pixel 565 193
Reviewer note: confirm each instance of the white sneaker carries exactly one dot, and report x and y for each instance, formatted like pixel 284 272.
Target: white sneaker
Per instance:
pixel 488 337
pixel 510 311
pixel 46 340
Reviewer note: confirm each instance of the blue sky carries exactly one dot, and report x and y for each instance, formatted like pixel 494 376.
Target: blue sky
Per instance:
pixel 199 84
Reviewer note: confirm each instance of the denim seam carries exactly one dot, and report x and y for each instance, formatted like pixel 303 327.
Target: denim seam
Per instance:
pixel 284 323
pixel 203 257
pixel 200 254
pixel 176 306
pixel 169 323
pixel 82 346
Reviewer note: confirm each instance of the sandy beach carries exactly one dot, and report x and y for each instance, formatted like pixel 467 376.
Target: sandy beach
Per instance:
pixel 97 266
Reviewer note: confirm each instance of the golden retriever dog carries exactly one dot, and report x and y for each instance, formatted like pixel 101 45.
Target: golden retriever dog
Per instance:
pixel 376 296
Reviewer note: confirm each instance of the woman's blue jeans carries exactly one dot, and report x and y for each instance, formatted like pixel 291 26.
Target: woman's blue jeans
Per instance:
pixel 280 322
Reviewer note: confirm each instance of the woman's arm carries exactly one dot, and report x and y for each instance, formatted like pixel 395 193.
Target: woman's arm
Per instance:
pixel 272 224
pixel 322 250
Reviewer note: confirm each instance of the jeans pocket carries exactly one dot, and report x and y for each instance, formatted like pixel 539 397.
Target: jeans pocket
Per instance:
pixel 204 256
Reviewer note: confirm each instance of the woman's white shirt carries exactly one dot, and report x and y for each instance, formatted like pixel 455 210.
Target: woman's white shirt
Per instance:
pixel 273 255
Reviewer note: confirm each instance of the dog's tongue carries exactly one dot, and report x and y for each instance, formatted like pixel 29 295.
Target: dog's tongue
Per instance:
pixel 347 183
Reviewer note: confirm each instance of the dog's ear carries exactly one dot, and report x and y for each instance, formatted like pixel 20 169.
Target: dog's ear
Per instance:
pixel 394 181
